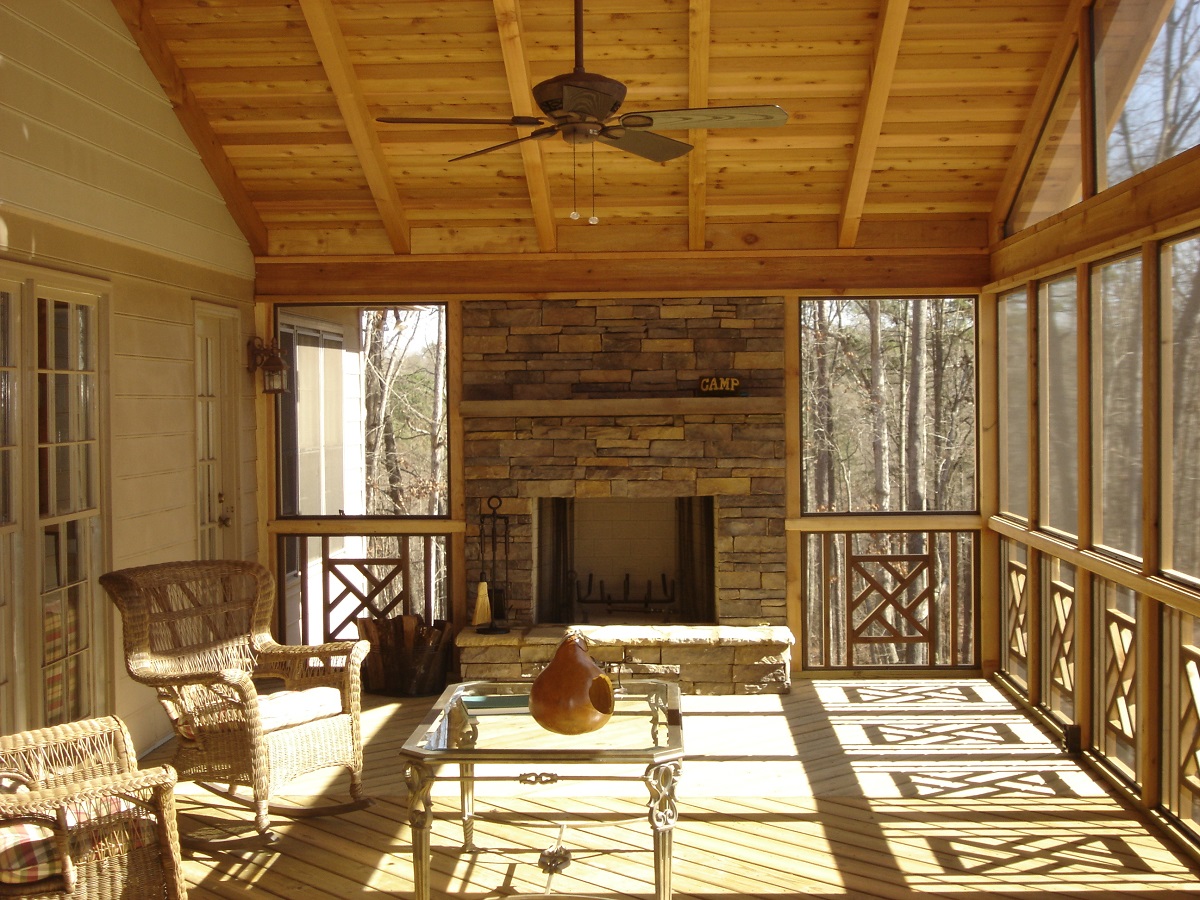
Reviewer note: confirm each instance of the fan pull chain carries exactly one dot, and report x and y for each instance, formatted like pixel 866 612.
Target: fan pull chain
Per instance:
pixel 593 219
pixel 574 176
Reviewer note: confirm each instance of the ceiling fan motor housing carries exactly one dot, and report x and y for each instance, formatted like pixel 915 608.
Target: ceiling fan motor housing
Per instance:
pixel 589 96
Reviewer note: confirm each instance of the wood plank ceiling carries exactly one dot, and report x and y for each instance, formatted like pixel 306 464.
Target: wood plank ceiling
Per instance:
pixel 910 121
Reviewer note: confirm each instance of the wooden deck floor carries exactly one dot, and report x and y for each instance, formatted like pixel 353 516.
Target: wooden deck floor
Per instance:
pixel 864 789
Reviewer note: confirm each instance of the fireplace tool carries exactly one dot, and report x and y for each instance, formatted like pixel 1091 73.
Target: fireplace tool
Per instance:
pixel 493 562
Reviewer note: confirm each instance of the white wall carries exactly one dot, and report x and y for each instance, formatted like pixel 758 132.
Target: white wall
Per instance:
pixel 88 139
pixel 97 178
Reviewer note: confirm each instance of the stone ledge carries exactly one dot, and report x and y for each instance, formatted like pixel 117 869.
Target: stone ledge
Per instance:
pixel 709 659
pixel 635 635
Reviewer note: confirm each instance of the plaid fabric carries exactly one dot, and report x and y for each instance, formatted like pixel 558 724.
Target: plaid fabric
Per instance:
pixel 13 783
pixel 27 853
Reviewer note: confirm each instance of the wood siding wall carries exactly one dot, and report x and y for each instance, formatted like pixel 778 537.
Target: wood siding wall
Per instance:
pixel 87 137
pixel 98 178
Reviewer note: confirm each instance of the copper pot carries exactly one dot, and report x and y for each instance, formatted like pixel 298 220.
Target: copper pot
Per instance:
pixel 571 695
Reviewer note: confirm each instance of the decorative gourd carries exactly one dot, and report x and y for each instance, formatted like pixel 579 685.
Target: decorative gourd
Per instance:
pixel 571 695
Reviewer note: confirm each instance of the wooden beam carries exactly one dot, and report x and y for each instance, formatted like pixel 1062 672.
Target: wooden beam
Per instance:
pixel 647 275
pixel 1151 204
pixel 699 38
pixel 516 68
pixel 195 123
pixel 883 71
pixel 335 59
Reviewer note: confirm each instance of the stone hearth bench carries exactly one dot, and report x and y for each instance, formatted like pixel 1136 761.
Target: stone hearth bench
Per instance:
pixel 704 659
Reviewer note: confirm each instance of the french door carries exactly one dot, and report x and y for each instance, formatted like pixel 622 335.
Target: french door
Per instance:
pixel 50 522
pixel 216 431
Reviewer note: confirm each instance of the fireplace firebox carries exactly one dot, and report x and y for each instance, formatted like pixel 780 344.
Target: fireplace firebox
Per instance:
pixel 622 560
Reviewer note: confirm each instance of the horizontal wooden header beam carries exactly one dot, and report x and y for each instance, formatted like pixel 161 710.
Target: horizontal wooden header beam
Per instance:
pixel 1157 202
pixel 834 271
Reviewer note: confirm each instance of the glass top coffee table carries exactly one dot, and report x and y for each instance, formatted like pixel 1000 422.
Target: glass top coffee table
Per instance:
pixel 482 722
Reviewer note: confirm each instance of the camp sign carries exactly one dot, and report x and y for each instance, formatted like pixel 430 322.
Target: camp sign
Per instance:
pixel 720 386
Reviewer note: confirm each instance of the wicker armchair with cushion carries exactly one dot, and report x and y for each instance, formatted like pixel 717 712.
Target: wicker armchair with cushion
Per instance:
pixel 78 819
pixel 199 633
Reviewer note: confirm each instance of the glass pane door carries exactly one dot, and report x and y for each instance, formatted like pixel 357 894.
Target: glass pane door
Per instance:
pixel 10 295
pixel 67 502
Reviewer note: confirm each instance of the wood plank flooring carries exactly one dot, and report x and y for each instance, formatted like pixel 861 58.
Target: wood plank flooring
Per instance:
pixel 863 789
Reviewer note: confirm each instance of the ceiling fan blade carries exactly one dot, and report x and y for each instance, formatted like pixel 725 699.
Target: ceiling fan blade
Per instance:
pixel 520 121
pixel 532 136
pixel 712 117
pixel 647 144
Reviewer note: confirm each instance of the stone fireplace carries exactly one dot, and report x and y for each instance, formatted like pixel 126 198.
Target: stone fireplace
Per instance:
pixel 579 400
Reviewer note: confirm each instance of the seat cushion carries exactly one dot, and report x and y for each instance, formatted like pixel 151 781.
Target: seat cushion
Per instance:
pixel 283 709
pixel 27 853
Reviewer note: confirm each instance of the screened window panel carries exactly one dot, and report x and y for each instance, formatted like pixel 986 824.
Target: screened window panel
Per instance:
pixel 1054 179
pixel 1181 413
pixel 364 430
pixel 1117 404
pixel 888 414
pixel 1014 424
pixel 1147 76
pixel 1059 405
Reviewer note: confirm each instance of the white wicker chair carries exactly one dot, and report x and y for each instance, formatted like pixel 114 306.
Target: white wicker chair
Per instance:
pixel 199 633
pixel 78 819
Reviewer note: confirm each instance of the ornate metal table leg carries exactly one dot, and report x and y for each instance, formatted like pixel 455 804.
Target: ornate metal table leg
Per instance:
pixel 660 779
pixel 419 779
pixel 466 792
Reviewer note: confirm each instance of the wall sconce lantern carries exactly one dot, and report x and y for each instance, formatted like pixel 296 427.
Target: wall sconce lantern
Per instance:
pixel 269 358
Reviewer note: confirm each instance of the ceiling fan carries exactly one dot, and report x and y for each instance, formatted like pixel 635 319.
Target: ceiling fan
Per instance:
pixel 582 107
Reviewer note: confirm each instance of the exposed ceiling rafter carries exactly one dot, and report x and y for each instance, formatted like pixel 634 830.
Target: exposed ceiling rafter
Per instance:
pixel 516 68
pixel 335 59
pixel 879 89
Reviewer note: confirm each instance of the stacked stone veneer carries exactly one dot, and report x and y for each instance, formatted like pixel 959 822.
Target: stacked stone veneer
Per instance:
pixel 571 349
pixel 701 660
pixel 519 445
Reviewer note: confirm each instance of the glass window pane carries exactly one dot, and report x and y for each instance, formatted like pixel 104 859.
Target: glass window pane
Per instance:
pixel 1059 408
pixel 889 404
pixel 1014 415
pixel 1054 179
pixel 1147 84
pixel 1117 360
pixel 1181 412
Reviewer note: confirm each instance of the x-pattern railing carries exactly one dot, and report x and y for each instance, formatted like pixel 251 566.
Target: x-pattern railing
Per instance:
pixel 1061 640
pixel 1120 679
pixel 374 586
pixel 892 602
pixel 1017 615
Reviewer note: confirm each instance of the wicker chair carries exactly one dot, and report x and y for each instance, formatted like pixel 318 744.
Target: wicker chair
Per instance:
pixel 78 819
pixel 199 633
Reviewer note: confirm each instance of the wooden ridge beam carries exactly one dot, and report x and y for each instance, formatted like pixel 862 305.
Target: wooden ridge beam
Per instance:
pixel 331 47
pixel 647 275
pixel 882 75
pixel 516 68
pixel 195 123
